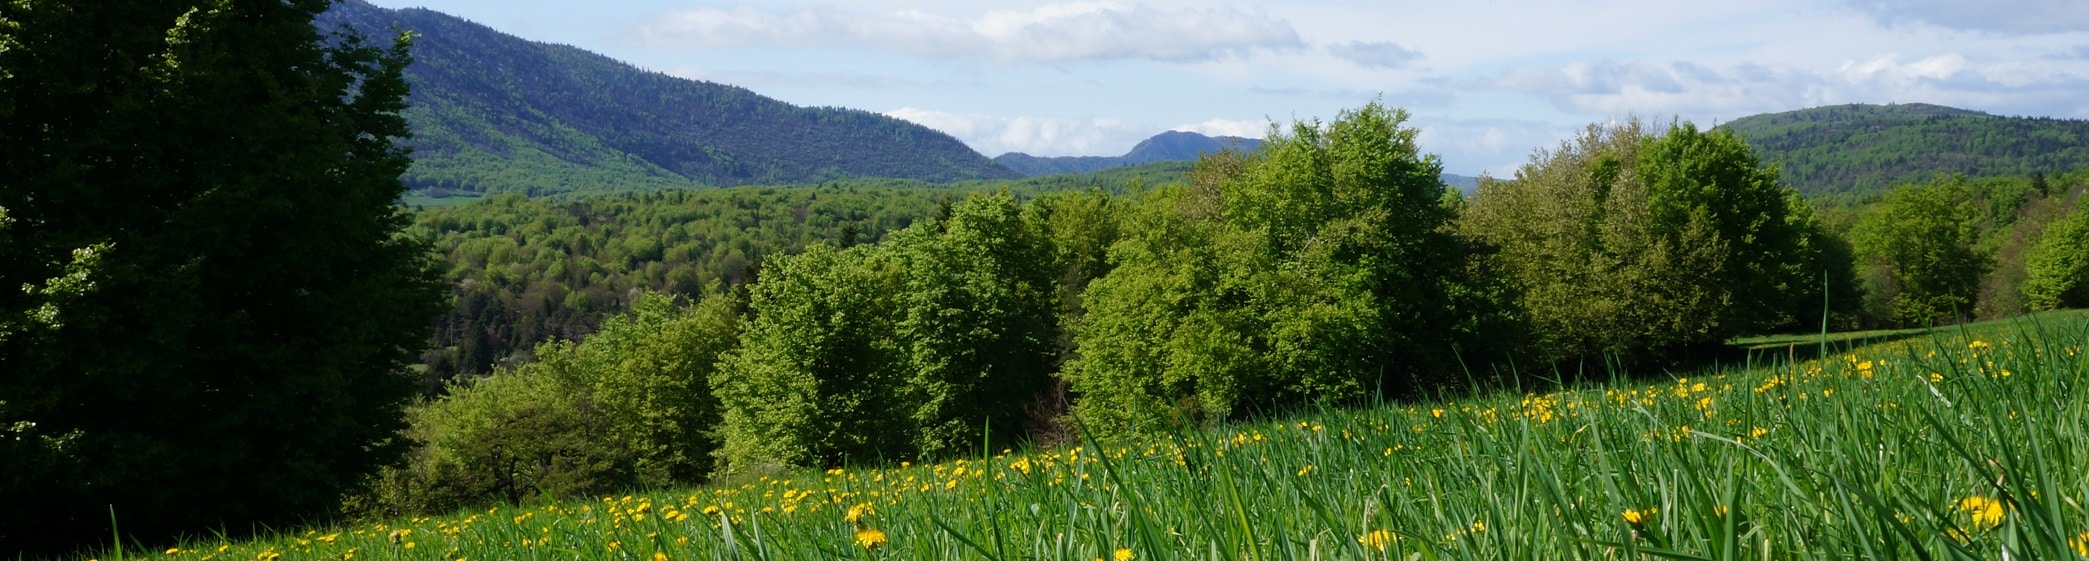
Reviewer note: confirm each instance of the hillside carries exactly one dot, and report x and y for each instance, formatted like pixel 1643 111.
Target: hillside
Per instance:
pixel 1163 147
pixel 1862 150
pixel 495 113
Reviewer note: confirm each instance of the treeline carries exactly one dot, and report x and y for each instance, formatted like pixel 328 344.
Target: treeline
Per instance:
pixel 1330 267
pixel 527 270
pixel 1856 152
pixel 492 113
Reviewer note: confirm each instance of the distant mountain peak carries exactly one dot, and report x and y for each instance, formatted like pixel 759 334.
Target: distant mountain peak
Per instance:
pixel 1168 146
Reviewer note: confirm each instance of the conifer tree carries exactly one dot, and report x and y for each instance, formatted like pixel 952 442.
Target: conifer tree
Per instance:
pixel 201 197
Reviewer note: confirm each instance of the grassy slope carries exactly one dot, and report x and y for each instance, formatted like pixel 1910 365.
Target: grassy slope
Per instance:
pixel 1955 443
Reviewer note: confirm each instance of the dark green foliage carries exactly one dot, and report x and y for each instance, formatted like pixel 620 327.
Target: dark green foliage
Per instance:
pixel 528 270
pixel 629 406
pixel 220 306
pixel 1856 151
pixel 1317 270
pixel 1917 250
pixel 548 119
pixel 1624 241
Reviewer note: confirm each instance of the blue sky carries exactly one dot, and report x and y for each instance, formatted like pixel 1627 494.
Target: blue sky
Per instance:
pixel 1487 82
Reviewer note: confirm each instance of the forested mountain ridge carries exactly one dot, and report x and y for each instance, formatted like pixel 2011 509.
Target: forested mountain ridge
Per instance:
pixel 1163 147
pixel 1861 150
pixel 495 113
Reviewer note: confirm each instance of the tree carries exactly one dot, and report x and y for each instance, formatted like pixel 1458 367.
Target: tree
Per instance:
pixel 1317 270
pixel 1918 244
pixel 1625 241
pixel 979 323
pixel 2058 268
pixel 205 196
pixel 816 380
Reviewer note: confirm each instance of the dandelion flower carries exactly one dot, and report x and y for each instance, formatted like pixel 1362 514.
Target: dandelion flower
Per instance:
pixel 1987 513
pixel 1638 517
pixel 1376 539
pixel 870 538
pixel 1122 554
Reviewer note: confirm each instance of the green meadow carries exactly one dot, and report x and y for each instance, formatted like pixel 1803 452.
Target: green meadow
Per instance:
pixel 1955 443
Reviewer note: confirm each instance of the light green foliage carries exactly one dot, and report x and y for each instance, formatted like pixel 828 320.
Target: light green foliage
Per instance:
pixel 2058 268
pixel 818 376
pixel 1315 271
pixel 914 347
pixel 1627 241
pixel 628 406
pixel 649 371
pixel 1917 250
pixel 512 436
pixel 978 320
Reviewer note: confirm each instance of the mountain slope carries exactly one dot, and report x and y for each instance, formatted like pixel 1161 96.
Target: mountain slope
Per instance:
pixel 1860 150
pixel 495 113
pixel 1164 147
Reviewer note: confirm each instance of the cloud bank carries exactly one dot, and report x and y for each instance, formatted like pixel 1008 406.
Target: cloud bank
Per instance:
pixel 1051 33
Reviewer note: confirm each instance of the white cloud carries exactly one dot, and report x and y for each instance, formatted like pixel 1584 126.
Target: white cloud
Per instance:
pixel 1375 54
pixel 1701 92
pixel 994 135
pixel 2002 16
pixel 1228 127
pixel 1051 33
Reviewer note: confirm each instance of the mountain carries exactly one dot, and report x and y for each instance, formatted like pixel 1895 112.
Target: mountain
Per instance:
pixel 494 113
pixel 1862 150
pixel 1164 147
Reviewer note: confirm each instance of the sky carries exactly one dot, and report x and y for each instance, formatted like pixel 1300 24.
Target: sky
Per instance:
pixel 1485 82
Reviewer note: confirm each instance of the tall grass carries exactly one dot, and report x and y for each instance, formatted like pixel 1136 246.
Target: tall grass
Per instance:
pixel 1957 444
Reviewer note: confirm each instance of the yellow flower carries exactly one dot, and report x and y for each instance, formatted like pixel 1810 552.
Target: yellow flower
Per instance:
pixel 2080 544
pixel 856 513
pixel 870 538
pixel 1987 513
pixel 1638 517
pixel 1122 554
pixel 1305 470
pixel 1376 539
pixel 659 556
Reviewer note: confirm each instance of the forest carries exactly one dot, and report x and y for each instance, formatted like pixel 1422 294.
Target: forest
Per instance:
pixel 206 347
pixel 823 326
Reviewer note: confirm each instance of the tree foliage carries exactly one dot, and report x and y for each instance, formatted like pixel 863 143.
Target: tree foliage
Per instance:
pixel 920 346
pixel 1627 241
pixel 2058 268
pixel 201 200
pixel 818 376
pixel 1918 250
pixel 629 406
pixel 1316 270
